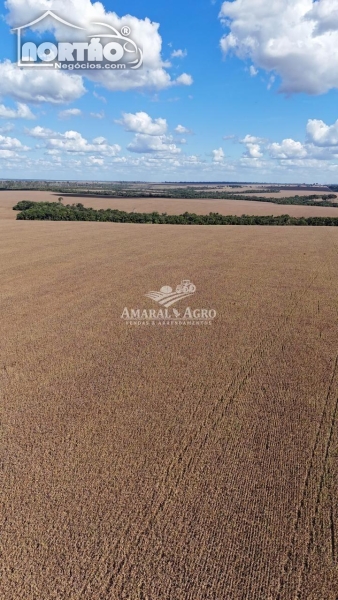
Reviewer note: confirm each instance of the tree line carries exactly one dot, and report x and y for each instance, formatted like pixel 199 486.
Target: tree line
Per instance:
pixel 56 211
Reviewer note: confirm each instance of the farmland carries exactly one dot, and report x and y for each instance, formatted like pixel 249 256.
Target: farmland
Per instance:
pixel 168 463
pixel 171 206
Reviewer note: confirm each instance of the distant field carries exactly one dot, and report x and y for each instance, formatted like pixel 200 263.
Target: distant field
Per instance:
pixel 226 207
pixel 284 193
pixel 226 188
pixel 168 463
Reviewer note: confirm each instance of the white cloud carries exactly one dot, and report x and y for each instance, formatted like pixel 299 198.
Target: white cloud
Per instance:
pixel 193 159
pixel 253 148
pixel 296 39
pixel 40 132
pixel 151 78
pixel 73 142
pixel 6 128
pixel 325 14
pixel 9 143
pixel 70 112
pixel 101 98
pixel 253 71
pixel 184 79
pixel 99 140
pixel 30 85
pixel 8 154
pixel 156 78
pixel 253 151
pixel 321 134
pixel 288 149
pixel 21 112
pixel 183 130
pixel 320 147
pixel 52 152
pixel 272 80
pixel 179 53
pixel 218 155
pixel 141 122
pixel 84 13
pixel 249 162
pixel 153 144
pixel 100 115
pixel 92 160
pixel 251 139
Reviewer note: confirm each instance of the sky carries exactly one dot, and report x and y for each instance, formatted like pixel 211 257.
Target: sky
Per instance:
pixel 243 90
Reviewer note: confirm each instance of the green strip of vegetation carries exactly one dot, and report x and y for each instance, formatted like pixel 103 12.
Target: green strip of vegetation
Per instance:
pixel 56 211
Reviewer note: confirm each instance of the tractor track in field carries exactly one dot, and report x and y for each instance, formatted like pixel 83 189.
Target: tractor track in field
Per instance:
pixel 293 565
pixel 310 544
pixel 181 463
pixel 291 579
pixel 298 594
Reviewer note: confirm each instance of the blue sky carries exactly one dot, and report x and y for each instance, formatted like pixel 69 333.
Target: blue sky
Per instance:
pixel 251 95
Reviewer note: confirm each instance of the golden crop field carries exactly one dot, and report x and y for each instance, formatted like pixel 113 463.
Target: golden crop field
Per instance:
pixel 168 462
pixel 171 206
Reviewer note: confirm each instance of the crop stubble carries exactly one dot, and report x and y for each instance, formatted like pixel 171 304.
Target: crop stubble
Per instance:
pixel 169 463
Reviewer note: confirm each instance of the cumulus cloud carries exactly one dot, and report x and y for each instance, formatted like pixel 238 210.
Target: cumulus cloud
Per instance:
pixel 288 149
pixel 40 132
pixel 141 122
pixel 8 154
pixel 325 15
pixel 319 147
pixel 184 79
pixel 70 112
pixel 179 53
pixel 251 139
pixel 253 151
pixel 218 155
pixel 73 142
pixel 153 144
pixel 30 85
pixel 92 160
pixel 253 148
pixel 182 130
pixel 151 78
pixel 9 143
pixel 84 13
pixel 151 135
pixel 321 134
pixel 295 39
pixel 21 112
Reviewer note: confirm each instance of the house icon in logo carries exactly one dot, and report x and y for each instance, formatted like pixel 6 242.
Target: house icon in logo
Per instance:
pixel 25 50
